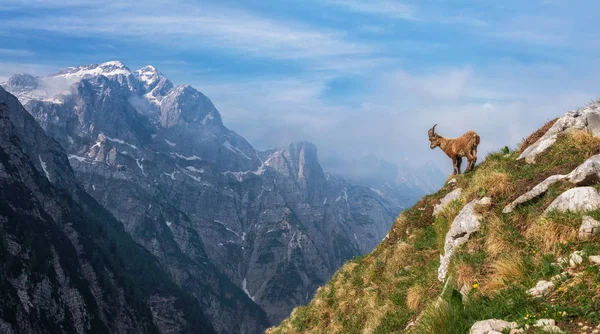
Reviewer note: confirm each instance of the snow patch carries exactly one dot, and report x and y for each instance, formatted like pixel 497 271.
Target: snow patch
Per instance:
pixel 70 139
pixel 170 143
pixel 120 141
pixel 234 149
pixel 193 157
pixel 76 157
pixel 226 228
pixel 208 116
pixel 194 169
pixel 244 284
pixel 139 163
pixel 44 167
pixel 93 186
pixel 172 175
pixel 169 223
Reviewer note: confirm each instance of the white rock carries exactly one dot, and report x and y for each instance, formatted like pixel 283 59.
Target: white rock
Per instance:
pixel 595 259
pixel 492 326
pixel 451 196
pixel 465 224
pixel 452 182
pixel 587 173
pixel 539 189
pixel 548 326
pixel 576 200
pixel 541 288
pixel 587 118
pixel 588 228
pixel 575 259
pixel 544 322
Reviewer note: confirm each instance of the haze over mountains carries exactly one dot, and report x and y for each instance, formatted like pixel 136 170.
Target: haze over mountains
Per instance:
pixel 250 234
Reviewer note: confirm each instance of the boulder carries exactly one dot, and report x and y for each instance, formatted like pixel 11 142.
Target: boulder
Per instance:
pixel 535 192
pixel 587 173
pixel 451 196
pixel 594 259
pixel 589 227
pixel 494 326
pixel 465 224
pixel 541 288
pixel 576 200
pixel 587 118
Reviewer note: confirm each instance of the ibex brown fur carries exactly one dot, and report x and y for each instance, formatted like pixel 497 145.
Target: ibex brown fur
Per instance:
pixel 456 148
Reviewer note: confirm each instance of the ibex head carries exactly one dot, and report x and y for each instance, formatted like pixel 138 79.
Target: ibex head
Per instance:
pixel 434 138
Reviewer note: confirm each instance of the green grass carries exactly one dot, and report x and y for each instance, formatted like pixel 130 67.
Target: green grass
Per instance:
pixel 373 292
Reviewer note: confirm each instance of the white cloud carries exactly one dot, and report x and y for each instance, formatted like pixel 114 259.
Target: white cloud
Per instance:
pixel 393 9
pixel 16 53
pixel 189 26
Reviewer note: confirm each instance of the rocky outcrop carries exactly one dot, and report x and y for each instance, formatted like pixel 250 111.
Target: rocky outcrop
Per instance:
pixel 586 174
pixel 587 118
pixel 589 227
pixel 451 196
pixel 579 199
pixel 466 223
pixel 533 193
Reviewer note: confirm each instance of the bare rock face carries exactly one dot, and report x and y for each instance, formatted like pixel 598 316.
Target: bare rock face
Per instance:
pixel 589 227
pixel 579 199
pixel 587 118
pixel 66 265
pixel 466 223
pixel 451 196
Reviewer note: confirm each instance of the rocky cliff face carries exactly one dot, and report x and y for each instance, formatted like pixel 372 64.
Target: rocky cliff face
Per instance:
pixel 242 230
pixel 66 265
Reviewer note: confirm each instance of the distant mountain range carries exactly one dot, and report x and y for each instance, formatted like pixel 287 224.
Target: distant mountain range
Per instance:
pixel 250 234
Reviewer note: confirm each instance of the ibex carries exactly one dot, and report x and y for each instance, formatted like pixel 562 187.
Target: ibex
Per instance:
pixel 456 148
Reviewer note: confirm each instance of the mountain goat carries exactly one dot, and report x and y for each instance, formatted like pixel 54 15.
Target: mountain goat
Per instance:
pixel 456 148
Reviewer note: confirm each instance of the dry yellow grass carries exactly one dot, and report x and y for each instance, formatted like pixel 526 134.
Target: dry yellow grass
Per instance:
pixel 495 184
pixel 550 234
pixel 496 242
pixel 414 297
pixel 508 268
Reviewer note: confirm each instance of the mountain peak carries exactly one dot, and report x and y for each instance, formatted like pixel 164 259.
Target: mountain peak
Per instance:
pixel 149 75
pixel 109 68
pixel 23 81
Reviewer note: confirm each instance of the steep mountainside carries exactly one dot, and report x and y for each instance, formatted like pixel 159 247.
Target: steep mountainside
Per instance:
pixel 242 230
pixel 512 247
pixel 401 185
pixel 66 265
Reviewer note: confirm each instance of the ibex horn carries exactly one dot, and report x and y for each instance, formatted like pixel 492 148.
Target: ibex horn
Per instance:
pixel 433 129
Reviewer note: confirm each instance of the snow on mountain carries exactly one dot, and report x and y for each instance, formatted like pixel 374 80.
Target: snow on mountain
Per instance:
pixel 109 68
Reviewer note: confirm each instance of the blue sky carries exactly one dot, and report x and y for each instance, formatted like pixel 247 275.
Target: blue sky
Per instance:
pixel 354 77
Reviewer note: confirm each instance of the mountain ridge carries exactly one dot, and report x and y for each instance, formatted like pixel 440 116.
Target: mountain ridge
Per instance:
pixel 199 196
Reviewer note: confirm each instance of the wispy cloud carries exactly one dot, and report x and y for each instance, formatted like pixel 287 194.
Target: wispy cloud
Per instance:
pixel 392 9
pixel 199 27
pixel 16 53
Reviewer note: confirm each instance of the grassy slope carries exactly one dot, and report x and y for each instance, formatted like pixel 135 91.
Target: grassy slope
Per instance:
pixel 396 284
